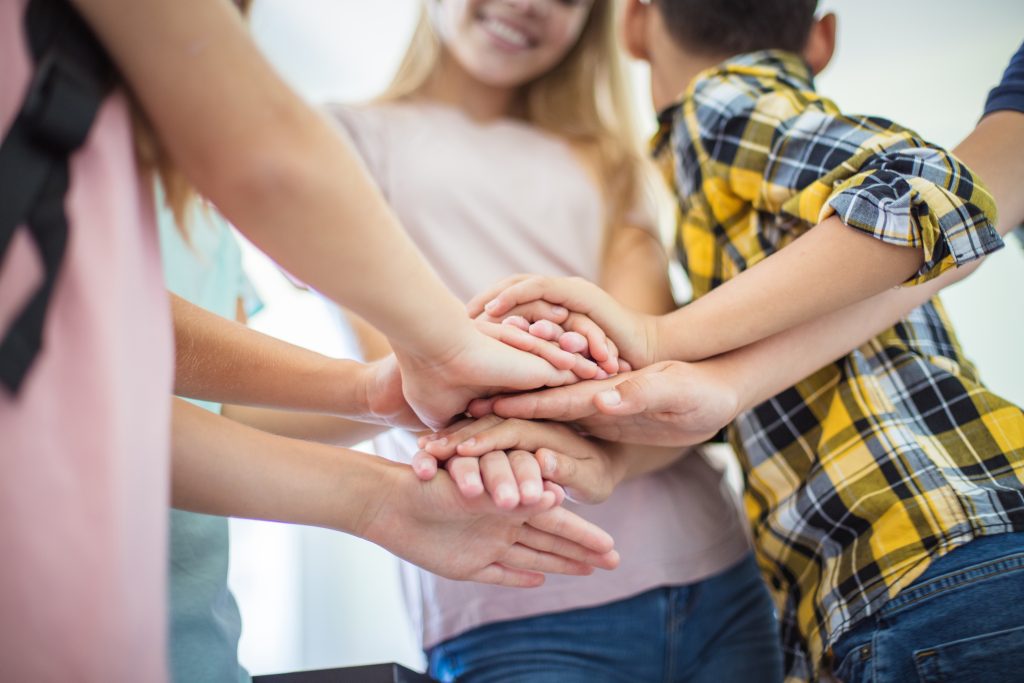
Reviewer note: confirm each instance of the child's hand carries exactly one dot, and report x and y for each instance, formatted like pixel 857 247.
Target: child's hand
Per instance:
pixel 430 524
pixel 534 297
pixel 510 478
pixel 665 404
pixel 584 467
pixel 471 476
pixel 477 365
pixel 546 345
pixel 573 332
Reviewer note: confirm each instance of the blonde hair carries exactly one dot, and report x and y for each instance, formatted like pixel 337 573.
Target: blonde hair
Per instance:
pixel 586 99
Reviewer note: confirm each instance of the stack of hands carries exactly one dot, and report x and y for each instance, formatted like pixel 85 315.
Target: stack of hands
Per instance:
pixel 533 403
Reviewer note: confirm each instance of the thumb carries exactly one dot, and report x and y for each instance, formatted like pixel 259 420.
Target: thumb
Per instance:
pixel 647 393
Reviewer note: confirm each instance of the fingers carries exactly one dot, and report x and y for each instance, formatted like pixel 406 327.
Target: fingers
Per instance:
pixel 520 556
pixel 546 330
pixel 476 305
pixel 499 481
pixel 424 465
pixel 498 434
pixel 588 479
pixel 508 577
pixel 526 290
pixel 545 347
pixel 597 340
pixel 574 342
pixel 552 353
pixel 562 403
pixel 571 527
pixel 649 392
pixel 557 491
pixel 517 321
pixel 482 407
pixel 442 444
pixel 532 312
pixel 566 534
pixel 527 475
pixel 465 472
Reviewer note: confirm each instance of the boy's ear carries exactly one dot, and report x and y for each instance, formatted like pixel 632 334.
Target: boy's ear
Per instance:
pixel 634 28
pixel 821 43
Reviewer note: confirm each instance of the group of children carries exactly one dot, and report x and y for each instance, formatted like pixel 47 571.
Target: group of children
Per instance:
pixel 884 483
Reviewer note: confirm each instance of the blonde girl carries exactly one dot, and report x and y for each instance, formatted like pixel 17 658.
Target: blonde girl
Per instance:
pixel 506 144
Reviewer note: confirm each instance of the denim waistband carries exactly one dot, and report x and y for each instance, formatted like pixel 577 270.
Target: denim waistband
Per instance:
pixel 979 559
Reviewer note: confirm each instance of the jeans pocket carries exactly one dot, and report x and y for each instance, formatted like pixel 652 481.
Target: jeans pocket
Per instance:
pixel 855 667
pixel 996 657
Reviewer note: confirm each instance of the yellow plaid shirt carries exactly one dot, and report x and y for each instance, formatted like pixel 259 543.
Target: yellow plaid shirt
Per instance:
pixel 867 470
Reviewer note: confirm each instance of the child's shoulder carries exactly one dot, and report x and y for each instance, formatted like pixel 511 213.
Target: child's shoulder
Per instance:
pixel 771 83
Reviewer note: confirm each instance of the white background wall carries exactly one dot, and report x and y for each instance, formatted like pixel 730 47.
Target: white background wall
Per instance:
pixel 312 598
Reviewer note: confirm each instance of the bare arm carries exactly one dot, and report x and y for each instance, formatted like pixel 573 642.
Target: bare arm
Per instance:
pixel 224 361
pixel 678 403
pixel 285 176
pixel 267 161
pixel 777 294
pixel 326 429
pixel 224 468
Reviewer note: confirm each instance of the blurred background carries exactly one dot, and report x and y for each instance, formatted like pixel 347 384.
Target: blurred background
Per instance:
pixel 312 598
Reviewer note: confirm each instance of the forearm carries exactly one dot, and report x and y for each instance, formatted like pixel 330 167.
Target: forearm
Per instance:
pixel 764 369
pixel 224 361
pixel 223 468
pixel 830 267
pixel 275 167
pixel 325 429
pixel 995 150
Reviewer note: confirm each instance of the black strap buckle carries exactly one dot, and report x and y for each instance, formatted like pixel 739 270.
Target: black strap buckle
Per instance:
pixel 61 102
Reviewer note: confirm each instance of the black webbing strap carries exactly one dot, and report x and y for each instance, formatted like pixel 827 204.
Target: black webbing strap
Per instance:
pixel 72 77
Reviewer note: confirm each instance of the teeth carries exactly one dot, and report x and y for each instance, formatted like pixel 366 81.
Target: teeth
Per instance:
pixel 506 32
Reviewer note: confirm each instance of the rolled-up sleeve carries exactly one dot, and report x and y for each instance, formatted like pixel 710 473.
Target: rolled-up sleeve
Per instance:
pixel 920 197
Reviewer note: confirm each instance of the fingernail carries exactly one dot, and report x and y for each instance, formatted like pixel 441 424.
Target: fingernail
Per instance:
pixel 506 493
pixel 469 443
pixel 560 310
pixel 531 489
pixel 491 306
pixel 610 398
pixel 549 464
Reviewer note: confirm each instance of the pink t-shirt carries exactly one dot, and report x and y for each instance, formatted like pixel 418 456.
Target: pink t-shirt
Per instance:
pixel 84 445
pixel 483 201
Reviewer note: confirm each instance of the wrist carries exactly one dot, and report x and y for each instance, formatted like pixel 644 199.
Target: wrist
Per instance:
pixel 377 483
pixel 656 338
pixel 438 346
pixel 617 462
pixel 736 388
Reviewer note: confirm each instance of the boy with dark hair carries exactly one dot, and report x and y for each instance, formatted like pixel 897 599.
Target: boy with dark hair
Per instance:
pixel 874 468
pixel 880 473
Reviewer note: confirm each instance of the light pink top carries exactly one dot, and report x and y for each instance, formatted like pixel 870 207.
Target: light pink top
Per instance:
pixel 84 446
pixel 483 201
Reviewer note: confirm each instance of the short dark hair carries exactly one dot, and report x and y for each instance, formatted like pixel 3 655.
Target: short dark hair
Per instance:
pixel 732 27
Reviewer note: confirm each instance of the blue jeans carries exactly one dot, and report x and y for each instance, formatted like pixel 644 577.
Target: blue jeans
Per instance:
pixel 961 621
pixel 718 630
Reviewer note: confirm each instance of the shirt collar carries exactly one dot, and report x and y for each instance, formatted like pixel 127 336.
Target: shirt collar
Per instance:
pixel 788 68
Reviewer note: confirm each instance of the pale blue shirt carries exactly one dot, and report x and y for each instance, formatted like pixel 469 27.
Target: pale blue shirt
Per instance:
pixel 205 623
